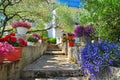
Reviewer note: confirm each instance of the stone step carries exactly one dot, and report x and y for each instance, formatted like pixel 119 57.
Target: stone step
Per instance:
pixel 53 47
pixel 51 66
pixel 59 78
pixel 54 53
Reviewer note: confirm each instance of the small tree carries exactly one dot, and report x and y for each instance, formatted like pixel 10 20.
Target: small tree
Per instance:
pixel 4 5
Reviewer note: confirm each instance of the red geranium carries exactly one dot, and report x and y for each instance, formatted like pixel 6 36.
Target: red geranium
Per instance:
pixel 11 39
pixel 2 40
pixel 22 41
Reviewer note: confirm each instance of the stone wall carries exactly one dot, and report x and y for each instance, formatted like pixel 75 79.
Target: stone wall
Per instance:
pixel 74 53
pixel 113 74
pixel 11 70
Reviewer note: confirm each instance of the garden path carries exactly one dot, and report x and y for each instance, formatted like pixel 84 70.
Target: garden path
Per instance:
pixel 54 66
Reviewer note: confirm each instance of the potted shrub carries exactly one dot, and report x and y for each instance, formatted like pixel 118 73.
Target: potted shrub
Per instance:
pixel 21 26
pixel 98 57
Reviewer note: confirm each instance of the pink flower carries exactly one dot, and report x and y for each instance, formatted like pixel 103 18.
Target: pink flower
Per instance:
pixel 21 24
pixel 6 49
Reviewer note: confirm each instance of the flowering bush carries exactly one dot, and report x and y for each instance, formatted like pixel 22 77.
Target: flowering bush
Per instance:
pixel 21 24
pixel 79 30
pixel 84 31
pixel 98 57
pixel 11 39
pixel 6 49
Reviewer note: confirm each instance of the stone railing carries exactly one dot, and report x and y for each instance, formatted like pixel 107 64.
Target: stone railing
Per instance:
pixel 11 71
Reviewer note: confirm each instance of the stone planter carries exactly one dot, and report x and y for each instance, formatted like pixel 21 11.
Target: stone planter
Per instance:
pixel 22 30
pixel 114 74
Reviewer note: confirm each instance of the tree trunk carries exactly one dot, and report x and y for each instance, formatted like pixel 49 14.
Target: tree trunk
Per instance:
pixel 4 25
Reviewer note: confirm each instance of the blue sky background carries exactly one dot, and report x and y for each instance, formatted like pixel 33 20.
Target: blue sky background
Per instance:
pixel 71 3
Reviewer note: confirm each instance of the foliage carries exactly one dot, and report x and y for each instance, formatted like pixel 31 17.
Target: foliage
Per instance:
pixel 21 24
pixel 52 40
pixel 66 17
pixel 36 11
pixel 97 57
pixel 6 49
pixel 7 13
pixel 104 15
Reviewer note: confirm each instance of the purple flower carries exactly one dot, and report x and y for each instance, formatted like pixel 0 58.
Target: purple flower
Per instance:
pixel 36 35
pixel 79 31
pixel 87 31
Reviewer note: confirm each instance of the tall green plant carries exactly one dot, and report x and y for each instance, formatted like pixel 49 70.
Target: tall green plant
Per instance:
pixel 104 14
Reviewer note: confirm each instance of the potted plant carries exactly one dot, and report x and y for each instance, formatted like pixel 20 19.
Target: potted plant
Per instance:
pixel 32 40
pixel 21 26
pixel 17 43
pixel 98 57
pixel 71 42
pixel 64 38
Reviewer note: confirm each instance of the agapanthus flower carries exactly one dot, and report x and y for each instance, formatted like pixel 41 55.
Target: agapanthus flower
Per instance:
pixel 97 57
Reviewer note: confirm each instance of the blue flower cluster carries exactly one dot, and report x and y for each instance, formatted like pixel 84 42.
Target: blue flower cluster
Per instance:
pixel 98 57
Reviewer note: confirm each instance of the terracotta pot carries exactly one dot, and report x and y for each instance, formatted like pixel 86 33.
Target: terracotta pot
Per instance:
pixel 15 55
pixel 1 58
pixel 71 43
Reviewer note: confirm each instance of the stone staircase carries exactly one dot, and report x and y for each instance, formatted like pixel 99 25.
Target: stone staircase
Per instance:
pixel 53 65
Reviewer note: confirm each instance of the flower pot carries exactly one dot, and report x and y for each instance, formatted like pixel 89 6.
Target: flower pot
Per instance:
pixel 15 55
pixel 22 30
pixel 71 43
pixel 1 58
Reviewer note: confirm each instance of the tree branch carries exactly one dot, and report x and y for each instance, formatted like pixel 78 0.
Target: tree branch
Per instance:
pixel 2 2
pixel 15 14
pixel 40 30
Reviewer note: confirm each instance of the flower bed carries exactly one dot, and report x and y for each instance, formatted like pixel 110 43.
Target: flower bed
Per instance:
pixel 97 57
